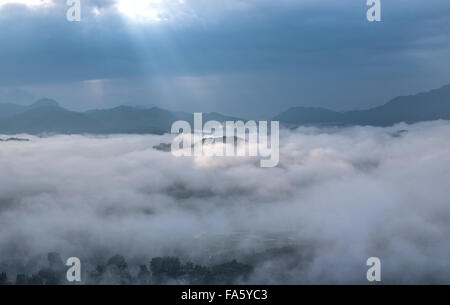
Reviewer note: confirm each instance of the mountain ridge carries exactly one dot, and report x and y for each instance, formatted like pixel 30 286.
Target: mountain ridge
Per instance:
pixel 47 116
pixel 424 106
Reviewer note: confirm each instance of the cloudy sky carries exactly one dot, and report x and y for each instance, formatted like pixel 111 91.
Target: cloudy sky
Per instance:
pixel 252 58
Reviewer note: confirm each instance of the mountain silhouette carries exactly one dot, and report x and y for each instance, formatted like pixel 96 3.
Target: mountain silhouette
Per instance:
pixel 45 102
pixel 126 119
pixel 309 115
pixel 47 116
pixel 8 110
pixel 427 106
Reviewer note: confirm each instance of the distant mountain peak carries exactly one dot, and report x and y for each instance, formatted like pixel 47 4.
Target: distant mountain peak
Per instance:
pixel 445 87
pixel 424 106
pixel 44 102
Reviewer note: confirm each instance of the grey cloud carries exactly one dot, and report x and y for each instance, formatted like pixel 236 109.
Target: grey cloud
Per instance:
pixel 307 52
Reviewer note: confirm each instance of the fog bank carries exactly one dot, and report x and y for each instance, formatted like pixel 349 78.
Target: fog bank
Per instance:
pixel 338 197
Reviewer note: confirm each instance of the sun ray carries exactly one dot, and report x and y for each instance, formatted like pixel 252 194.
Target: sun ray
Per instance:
pixel 144 11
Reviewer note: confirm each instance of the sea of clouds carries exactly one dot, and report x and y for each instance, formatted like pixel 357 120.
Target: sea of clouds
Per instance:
pixel 338 197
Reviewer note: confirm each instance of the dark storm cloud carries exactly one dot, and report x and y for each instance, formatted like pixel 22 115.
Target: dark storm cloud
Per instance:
pixel 304 52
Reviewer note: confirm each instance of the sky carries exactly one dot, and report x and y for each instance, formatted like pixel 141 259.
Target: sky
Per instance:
pixel 250 58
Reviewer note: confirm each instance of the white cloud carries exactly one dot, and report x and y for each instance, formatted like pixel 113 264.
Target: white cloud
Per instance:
pixel 28 3
pixel 138 10
pixel 337 198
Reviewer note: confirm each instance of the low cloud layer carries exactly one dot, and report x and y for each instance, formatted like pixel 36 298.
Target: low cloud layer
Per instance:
pixel 338 197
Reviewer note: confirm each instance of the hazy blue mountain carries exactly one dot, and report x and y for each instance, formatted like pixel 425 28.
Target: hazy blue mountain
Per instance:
pixel 307 115
pixel 47 119
pixel 126 119
pixel 214 116
pixel 46 116
pixel 8 110
pixel 426 106
pixel 45 102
